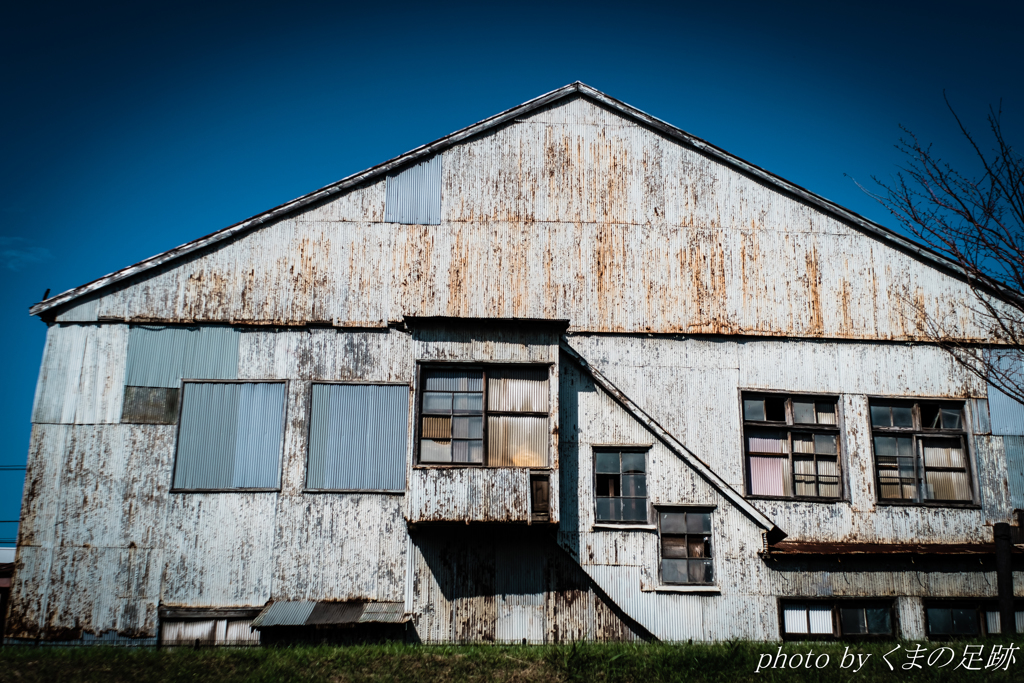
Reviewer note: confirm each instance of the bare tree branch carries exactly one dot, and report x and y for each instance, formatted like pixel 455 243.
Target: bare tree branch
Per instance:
pixel 976 220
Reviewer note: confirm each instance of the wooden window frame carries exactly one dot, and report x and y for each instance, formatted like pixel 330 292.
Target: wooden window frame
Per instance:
pixel 791 427
pixel 917 432
pixel 835 605
pixel 485 413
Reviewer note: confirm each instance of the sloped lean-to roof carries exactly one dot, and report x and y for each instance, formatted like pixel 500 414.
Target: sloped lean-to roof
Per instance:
pixel 447 141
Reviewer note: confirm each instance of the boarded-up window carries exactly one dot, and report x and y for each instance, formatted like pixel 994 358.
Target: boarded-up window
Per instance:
pixel 413 196
pixel 920 452
pixel 207 632
pixel 357 437
pixel 792 446
pixel 493 416
pixel 230 436
pixel 159 358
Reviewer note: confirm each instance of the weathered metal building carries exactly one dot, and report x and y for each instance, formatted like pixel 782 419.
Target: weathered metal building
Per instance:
pixel 569 373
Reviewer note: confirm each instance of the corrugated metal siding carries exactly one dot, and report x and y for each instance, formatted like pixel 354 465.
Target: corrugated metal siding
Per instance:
pixel 81 380
pixel 592 219
pixel 1007 416
pixel 358 437
pixel 163 356
pixel 413 196
pixel 208 632
pixel 230 435
pixel 1014 446
pixel 489 494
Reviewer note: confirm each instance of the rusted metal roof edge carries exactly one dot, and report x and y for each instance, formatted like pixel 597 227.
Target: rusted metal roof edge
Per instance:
pixel 451 139
pixel 670 441
pixel 822 548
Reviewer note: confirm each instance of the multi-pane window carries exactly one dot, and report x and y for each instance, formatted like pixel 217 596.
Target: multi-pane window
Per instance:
pixel 620 486
pixel 967 619
pixel 792 446
pixel 836 619
pixel 686 547
pixel 230 436
pixel 920 452
pixel 491 415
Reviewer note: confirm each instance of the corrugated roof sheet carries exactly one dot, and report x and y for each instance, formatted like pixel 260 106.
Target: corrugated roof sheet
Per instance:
pixel 324 613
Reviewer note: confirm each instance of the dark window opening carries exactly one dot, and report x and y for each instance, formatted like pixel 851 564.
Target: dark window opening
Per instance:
pixel 686 547
pixel 620 486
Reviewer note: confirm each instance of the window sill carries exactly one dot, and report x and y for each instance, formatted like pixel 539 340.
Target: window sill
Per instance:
pixel 923 504
pixel 686 589
pixel 624 527
pixel 795 499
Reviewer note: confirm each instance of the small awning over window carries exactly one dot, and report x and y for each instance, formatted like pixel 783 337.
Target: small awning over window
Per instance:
pixel 313 613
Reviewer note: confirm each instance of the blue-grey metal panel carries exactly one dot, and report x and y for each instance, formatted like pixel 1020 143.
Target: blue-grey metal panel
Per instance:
pixel 413 197
pixel 163 356
pixel 1014 446
pixel 258 440
pixel 979 413
pixel 1005 414
pixel 357 437
pixel 230 436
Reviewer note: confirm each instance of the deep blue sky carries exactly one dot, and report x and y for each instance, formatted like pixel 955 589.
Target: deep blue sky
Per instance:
pixel 129 129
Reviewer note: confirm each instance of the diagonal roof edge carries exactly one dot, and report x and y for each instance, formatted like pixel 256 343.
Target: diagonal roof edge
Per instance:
pixel 451 139
pixel 673 444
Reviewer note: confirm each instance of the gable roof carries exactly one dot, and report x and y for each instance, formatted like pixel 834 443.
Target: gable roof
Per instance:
pixel 893 239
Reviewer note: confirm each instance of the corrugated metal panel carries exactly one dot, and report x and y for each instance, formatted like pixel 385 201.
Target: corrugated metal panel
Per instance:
pixel 383 613
pixel 326 613
pixel 413 196
pixel 1007 416
pixel 980 416
pixel 285 613
pixel 469 494
pixel 519 390
pixel 517 441
pixel 1014 446
pixel 163 356
pixel 358 437
pixel 230 435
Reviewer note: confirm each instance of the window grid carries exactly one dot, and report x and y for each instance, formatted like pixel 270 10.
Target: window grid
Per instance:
pixel 847 619
pixel 948 619
pixel 920 452
pixel 458 424
pixel 686 553
pixel 620 486
pixel 791 444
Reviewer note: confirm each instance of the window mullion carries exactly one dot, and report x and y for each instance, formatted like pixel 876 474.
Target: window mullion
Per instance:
pixel 483 429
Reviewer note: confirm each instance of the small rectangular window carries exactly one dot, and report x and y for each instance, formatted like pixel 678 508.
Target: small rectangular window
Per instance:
pixel 230 436
pixel 357 437
pixel 686 547
pixel 484 415
pixel 967 618
pixel 792 446
pixel 825 619
pixel 620 486
pixel 920 452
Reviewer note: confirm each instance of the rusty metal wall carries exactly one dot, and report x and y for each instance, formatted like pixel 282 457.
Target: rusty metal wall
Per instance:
pixel 1014 448
pixel 569 213
pixel 693 385
pixel 504 586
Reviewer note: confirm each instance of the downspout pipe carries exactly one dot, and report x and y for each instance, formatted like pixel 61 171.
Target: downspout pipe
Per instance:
pixel 1004 578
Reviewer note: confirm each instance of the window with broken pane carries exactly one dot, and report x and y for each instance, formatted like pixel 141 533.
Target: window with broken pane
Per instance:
pixel 686 547
pixel 620 486
pixel 920 452
pixel 484 415
pixel 792 446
